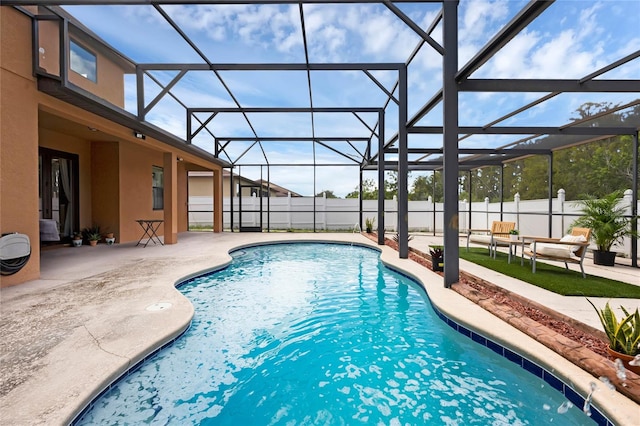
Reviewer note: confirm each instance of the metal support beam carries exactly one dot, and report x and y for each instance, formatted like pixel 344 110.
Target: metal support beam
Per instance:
pixel 433 198
pixel 377 66
pixel 550 196
pixel 286 109
pixel 529 85
pixel 403 169
pixel 381 223
pixel 450 140
pixel 208 2
pixel 360 203
pixel 501 192
pixel 634 202
pixel 470 199
pixel 293 139
pixel 231 195
pixel 530 130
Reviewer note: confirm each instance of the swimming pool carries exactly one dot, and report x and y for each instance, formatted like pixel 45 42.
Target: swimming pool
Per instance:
pixel 323 334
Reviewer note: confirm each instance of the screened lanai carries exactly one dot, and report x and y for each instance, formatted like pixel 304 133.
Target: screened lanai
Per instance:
pixel 314 95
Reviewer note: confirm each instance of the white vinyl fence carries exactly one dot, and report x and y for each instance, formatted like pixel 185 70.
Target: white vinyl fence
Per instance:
pixel 334 214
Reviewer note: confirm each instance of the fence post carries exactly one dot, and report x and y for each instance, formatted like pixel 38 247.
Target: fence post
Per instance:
pixel 486 209
pixel 395 209
pixel 463 225
pixel 516 199
pixel 324 211
pixel 627 199
pixel 288 210
pixel 561 199
pixel 253 207
pixel 433 215
pixel 628 196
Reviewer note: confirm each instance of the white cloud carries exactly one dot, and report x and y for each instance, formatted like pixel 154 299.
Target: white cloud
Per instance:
pixel 478 15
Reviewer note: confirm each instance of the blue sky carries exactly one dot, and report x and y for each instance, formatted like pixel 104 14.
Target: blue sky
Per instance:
pixel 571 39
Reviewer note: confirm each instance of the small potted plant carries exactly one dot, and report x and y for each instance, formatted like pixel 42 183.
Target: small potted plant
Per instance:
pixel 437 258
pixel 513 234
pixel 77 239
pixel 92 234
pixel 109 238
pixel 623 335
pixel 368 224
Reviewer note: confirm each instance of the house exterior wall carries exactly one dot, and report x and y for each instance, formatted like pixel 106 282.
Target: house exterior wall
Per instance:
pixel 18 139
pixel 105 187
pixel 136 189
pixel 202 186
pixel 109 84
pixel 115 182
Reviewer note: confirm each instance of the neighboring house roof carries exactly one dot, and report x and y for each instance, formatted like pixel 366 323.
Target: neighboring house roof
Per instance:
pixel 277 189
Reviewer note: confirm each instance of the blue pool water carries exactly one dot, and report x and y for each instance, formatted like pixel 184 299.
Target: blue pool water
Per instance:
pixel 323 334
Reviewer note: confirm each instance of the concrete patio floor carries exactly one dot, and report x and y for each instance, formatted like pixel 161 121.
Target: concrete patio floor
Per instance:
pixel 96 311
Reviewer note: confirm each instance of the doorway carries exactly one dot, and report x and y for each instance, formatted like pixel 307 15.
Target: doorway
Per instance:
pixel 59 210
pixel 250 212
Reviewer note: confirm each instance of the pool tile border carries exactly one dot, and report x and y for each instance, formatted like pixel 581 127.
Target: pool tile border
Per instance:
pixel 574 397
pixel 125 374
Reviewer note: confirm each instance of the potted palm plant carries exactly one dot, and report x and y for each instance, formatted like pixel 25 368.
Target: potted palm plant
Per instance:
pixel 608 223
pixel 623 335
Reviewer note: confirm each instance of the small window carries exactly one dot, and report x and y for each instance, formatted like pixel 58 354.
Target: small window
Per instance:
pixel 158 187
pixel 82 61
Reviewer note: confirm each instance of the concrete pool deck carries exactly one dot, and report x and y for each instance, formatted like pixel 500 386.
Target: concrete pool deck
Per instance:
pixel 96 311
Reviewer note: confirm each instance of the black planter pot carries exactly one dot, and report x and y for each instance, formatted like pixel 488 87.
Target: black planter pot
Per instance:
pixel 605 258
pixel 437 264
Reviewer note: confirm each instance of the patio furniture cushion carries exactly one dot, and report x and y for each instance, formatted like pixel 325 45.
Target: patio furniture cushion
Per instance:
pixel 554 250
pixel 573 239
pixel 561 249
pixel 49 230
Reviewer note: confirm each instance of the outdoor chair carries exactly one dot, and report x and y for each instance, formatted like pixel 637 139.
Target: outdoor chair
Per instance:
pixel 488 237
pixel 569 249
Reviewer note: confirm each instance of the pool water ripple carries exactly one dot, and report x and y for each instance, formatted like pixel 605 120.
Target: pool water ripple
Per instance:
pixel 323 334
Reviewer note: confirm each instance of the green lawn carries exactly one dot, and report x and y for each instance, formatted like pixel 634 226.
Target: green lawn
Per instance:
pixel 552 278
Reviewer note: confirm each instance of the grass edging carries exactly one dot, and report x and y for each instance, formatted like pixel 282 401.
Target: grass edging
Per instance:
pixel 553 278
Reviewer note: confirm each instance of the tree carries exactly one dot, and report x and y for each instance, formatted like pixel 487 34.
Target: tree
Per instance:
pixel 486 182
pixel 369 190
pixel 595 168
pixel 327 193
pixel 421 189
pixel 391 185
